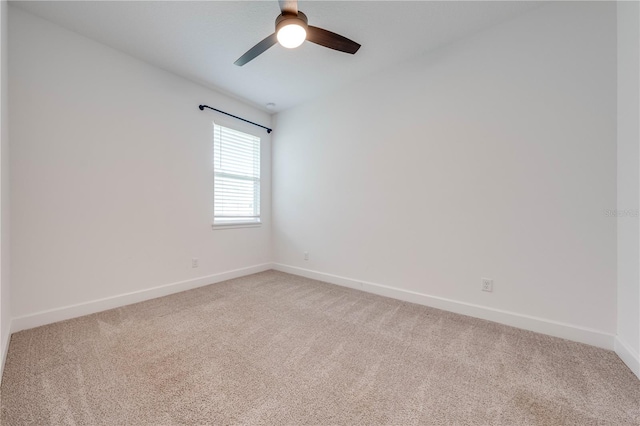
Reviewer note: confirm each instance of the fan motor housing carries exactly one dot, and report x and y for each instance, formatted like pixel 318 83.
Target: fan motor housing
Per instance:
pixel 290 18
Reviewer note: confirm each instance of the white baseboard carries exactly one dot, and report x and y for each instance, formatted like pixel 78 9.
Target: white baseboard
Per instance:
pixel 526 322
pixel 628 356
pixel 540 325
pixel 67 312
pixel 5 350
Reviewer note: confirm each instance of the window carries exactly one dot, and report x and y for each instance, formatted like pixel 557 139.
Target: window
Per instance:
pixel 236 177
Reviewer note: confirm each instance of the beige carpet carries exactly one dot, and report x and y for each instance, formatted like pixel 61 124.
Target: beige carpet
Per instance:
pixel 274 348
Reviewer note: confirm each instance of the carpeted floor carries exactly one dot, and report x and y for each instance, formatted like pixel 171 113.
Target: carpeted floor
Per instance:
pixel 273 348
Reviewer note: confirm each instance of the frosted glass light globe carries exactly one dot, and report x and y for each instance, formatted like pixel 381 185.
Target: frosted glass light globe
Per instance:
pixel 291 35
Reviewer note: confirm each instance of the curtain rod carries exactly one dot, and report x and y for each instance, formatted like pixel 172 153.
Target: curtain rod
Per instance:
pixel 202 107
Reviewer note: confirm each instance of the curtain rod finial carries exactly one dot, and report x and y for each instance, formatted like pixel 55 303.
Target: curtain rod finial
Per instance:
pixel 201 107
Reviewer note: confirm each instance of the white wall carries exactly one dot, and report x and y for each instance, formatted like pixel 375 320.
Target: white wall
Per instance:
pixel 492 157
pixel 628 342
pixel 112 177
pixel 5 306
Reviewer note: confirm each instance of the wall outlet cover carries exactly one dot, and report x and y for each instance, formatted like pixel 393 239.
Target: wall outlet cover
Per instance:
pixel 487 284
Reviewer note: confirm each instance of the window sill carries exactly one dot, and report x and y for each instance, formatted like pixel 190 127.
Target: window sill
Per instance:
pixel 217 227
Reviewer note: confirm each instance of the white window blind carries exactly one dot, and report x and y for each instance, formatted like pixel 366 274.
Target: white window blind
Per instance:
pixel 236 177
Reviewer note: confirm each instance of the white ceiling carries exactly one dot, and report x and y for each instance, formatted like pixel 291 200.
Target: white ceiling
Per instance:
pixel 200 40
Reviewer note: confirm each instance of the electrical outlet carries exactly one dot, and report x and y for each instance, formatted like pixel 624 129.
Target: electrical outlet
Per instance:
pixel 194 262
pixel 306 255
pixel 487 284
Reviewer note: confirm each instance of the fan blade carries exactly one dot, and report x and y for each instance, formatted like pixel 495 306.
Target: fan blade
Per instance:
pixel 257 50
pixel 289 6
pixel 331 40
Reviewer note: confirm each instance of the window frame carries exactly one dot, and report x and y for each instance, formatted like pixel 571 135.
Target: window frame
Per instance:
pixel 236 224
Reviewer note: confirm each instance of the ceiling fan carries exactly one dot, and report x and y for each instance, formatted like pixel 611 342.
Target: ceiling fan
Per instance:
pixel 292 30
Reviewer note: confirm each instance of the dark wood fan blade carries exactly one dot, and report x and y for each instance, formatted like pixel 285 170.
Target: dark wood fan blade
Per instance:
pixel 331 40
pixel 289 6
pixel 257 50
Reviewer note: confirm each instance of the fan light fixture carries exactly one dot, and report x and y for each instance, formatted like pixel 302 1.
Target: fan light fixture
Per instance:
pixel 291 30
pixel 291 35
